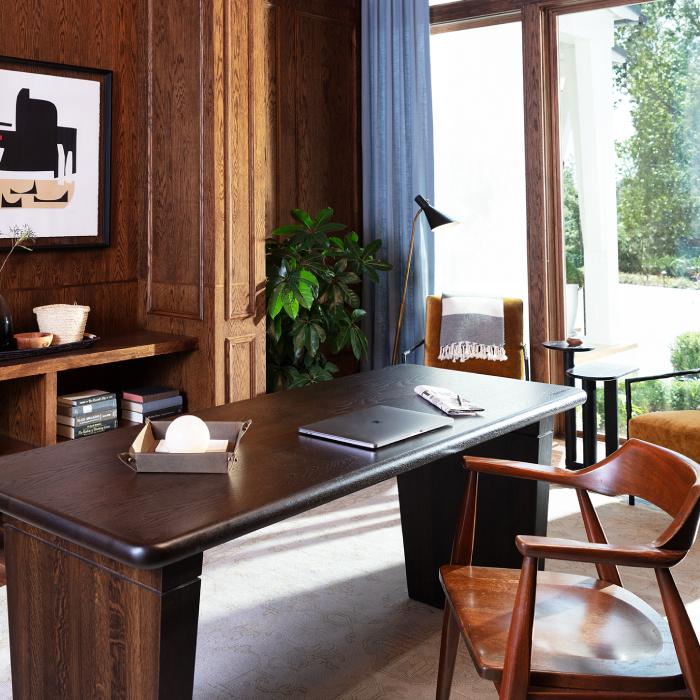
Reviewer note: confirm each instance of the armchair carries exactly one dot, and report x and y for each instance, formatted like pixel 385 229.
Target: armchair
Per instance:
pixel 539 634
pixel 517 365
pixel 676 430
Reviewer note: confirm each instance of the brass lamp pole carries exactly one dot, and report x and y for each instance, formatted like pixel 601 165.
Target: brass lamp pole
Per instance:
pixel 435 220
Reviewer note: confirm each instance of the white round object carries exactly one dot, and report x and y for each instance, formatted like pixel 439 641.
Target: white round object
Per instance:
pixel 187 434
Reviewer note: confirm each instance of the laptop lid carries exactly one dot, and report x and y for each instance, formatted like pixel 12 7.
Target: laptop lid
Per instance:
pixel 376 426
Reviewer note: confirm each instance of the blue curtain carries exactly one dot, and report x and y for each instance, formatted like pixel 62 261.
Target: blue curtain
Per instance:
pixel 397 162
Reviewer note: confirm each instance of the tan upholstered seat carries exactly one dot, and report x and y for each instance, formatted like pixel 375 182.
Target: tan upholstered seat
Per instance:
pixel 676 430
pixel 513 367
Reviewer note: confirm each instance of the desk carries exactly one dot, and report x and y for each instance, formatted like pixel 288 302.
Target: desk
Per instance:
pixel 103 564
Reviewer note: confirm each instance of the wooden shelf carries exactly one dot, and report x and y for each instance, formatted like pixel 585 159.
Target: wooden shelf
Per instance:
pixel 9 446
pixel 29 392
pixel 107 350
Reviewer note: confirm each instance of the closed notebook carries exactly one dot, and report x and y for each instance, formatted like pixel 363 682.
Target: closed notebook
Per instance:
pixel 86 409
pixel 136 417
pixel 88 418
pixel 85 430
pixel 86 397
pixel 151 406
pixel 145 394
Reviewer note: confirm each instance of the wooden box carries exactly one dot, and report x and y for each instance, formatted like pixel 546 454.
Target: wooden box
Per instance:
pixel 142 456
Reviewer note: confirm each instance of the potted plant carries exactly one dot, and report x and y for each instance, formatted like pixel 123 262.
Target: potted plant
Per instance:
pixel 314 267
pixel 21 237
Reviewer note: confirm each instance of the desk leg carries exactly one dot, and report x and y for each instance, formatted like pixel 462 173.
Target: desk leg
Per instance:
pixel 611 428
pixel 590 424
pixel 430 497
pixel 83 625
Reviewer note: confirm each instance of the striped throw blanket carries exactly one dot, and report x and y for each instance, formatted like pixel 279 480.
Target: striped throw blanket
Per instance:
pixel 472 328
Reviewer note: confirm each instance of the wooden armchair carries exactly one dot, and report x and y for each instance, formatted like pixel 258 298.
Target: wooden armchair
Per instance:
pixel 538 634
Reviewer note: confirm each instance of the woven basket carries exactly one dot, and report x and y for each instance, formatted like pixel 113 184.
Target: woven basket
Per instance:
pixel 65 321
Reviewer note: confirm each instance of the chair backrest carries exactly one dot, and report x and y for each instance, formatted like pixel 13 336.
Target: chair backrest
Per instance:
pixel 662 477
pixel 513 367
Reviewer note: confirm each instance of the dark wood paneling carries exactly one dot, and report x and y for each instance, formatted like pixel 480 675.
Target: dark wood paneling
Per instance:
pixel 318 96
pixel 55 30
pixel 175 159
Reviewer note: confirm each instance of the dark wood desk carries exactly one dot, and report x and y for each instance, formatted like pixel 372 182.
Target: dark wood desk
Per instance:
pixel 103 564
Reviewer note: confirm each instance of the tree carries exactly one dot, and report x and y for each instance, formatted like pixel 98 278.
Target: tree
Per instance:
pixel 659 191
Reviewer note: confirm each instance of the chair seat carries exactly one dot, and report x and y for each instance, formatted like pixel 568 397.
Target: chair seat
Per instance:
pixel 587 633
pixel 676 430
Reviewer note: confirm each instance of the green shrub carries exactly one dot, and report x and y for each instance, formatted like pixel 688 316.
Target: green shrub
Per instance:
pixel 685 394
pixel 685 352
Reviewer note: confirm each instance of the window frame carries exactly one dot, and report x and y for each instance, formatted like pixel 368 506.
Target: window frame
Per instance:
pixel 545 256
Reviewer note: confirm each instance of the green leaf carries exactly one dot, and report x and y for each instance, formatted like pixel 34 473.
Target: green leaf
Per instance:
pixel 286 230
pixel 303 217
pixel 330 227
pixel 323 215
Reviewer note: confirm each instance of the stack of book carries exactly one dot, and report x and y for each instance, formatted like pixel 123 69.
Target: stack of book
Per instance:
pixel 86 413
pixel 154 402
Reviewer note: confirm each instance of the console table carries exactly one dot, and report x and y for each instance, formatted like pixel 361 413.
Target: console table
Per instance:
pixel 29 387
pixel 103 564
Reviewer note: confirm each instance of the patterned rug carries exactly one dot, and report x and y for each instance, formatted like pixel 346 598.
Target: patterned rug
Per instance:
pixel 315 607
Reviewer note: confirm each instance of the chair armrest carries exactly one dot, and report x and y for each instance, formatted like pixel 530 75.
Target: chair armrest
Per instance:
pixel 644 556
pixel 665 375
pixel 521 470
pixel 406 353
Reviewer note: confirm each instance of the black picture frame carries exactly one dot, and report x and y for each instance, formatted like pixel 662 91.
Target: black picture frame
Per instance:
pixel 101 238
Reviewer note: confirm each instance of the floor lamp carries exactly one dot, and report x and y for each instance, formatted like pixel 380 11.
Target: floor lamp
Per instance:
pixel 436 220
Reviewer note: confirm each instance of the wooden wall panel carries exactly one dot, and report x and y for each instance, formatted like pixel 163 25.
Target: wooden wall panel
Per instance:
pixel 104 279
pixel 241 360
pixel 175 158
pixel 319 120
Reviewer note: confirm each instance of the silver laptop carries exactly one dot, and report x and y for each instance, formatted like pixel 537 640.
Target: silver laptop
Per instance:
pixel 376 426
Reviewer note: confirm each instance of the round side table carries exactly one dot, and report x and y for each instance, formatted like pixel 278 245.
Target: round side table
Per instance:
pixel 568 351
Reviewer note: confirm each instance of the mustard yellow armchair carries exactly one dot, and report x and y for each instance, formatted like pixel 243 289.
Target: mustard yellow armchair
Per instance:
pixel 677 430
pixel 514 367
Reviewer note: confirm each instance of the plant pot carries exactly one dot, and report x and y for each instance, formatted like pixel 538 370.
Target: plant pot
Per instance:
pixel 571 308
pixel 6 335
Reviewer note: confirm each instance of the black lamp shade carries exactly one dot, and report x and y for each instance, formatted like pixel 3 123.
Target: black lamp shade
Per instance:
pixel 435 218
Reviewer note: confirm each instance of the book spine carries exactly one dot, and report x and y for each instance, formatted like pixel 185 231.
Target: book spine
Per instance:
pixel 86 409
pixel 172 402
pixel 149 398
pixel 88 418
pixel 86 430
pixel 136 417
pixel 88 399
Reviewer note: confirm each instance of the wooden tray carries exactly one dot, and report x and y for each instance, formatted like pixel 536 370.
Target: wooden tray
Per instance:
pixel 88 341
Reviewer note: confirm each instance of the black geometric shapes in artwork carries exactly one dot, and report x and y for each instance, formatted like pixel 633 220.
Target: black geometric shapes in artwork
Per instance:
pixel 4 204
pixel 62 198
pixel 34 143
pixel 31 190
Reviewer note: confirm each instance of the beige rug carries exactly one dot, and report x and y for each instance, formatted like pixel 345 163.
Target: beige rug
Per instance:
pixel 315 607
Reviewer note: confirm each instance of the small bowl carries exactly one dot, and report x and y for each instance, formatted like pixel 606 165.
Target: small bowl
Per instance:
pixel 33 341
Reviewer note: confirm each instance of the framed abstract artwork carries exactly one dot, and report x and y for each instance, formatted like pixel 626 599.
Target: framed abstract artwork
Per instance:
pixel 55 149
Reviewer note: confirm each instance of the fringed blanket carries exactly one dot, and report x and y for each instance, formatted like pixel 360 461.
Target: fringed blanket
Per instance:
pixel 472 328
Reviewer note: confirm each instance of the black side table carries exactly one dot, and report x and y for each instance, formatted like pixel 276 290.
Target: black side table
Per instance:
pixel 568 351
pixel 589 375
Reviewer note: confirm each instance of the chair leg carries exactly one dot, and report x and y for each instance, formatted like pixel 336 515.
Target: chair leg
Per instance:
pixel 448 654
pixel 684 639
pixel 516 664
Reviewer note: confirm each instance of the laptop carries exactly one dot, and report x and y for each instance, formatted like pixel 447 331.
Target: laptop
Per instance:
pixel 376 426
